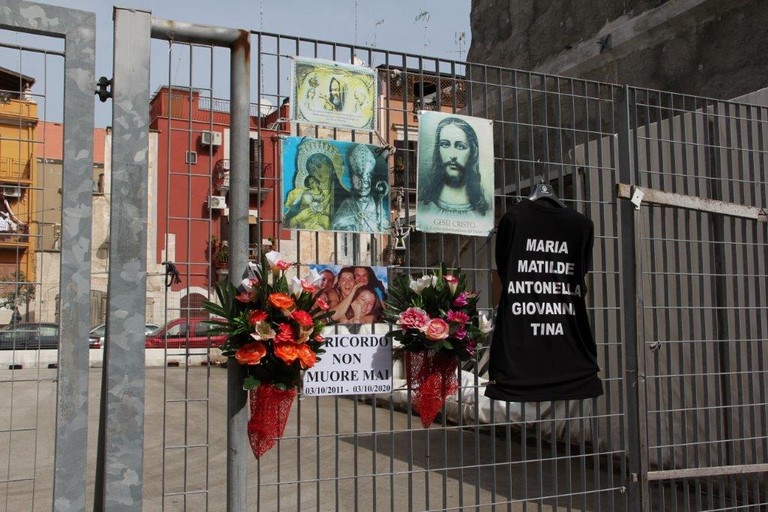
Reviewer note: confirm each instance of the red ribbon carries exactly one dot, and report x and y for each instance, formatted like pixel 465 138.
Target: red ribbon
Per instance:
pixel 270 408
pixel 432 376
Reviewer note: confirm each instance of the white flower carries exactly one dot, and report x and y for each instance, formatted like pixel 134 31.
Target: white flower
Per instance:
pixel 419 284
pixel 313 277
pixel 294 286
pixel 486 325
pixel 247 284
pixel 273 257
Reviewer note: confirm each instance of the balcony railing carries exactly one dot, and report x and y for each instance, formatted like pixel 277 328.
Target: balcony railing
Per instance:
pixel 13 169
pixel 13 240
pixel 260 177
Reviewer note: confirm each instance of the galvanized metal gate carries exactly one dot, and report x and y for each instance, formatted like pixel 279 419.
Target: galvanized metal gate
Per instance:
pixel 31 477
pixel 676 293
pixel 695 234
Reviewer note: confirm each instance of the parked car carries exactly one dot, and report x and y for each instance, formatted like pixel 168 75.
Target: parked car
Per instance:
pixel 96 335
pixel 29 336
pixel 185 333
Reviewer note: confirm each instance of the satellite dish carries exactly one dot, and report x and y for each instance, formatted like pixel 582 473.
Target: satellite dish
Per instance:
pixel 265 107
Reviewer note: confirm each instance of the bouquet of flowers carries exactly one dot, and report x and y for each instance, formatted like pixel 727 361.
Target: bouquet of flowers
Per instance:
pixel 438 326
pixel 274 328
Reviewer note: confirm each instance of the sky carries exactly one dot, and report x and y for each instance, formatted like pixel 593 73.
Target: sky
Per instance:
pixel 434 28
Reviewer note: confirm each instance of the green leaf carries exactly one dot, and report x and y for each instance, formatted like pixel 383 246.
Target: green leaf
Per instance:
pixel 250 383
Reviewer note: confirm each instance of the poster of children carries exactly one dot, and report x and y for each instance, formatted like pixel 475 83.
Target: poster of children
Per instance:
pixel 356 294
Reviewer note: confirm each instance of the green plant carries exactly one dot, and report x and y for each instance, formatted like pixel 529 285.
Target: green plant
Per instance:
pixel 16 290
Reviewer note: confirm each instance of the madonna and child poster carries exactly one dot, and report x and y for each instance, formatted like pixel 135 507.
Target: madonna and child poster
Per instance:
pixel 454 178
pixel 331 185
pixel 333 94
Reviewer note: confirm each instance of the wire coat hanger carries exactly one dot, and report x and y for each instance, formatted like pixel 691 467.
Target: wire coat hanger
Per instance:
pixel 544 191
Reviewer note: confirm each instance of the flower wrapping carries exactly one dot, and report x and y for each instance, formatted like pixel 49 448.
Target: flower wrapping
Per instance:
pixel 438 325
pixel 270 408
pixel 432 376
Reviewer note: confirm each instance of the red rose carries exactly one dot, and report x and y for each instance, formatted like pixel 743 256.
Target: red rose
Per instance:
pixel 302 318
pixel 286 334
pixel 286 352
pixel 257 316
pixel 281 300
pixel 252 353
pixel 307 356
pixel 436 329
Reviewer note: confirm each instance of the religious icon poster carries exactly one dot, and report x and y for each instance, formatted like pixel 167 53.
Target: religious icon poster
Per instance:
pixel 331 185
pixel 355 293
pixel 333 94
pixel 454 177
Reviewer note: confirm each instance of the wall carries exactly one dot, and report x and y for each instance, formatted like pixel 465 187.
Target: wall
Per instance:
pixel 709 48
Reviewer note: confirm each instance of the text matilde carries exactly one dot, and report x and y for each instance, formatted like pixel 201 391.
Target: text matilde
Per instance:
pixel 544 287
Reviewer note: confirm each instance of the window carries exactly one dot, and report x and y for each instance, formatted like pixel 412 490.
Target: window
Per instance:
pixel 177 331
pixel 191 157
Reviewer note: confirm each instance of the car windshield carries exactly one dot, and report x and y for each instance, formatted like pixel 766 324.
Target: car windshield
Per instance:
pixel 99 330
pixel 156 332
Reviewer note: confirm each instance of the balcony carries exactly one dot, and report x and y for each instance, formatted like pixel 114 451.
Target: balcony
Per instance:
pixel 261 180
pixel 11 240
pixel 15 171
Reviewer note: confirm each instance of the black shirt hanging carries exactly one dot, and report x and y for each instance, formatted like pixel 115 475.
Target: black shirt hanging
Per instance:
pixel 542 347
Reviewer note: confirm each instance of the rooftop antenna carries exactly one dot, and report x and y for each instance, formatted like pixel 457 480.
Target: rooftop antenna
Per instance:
pixel 376 29
pixel 355 22
pixel 460 38
pixel 424 18
pixel 261 61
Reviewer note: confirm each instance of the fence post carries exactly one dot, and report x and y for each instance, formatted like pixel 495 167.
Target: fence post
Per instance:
pixel 121 437
pixel 632 305
pixel 237 398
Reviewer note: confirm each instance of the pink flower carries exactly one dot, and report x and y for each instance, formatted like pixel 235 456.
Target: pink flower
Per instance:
pixel 458 317
pixel 412 318
pixel 263 331
pixel 461 300
pixel 283 265
pixel 323 304
pixel 453 282
pixel 436 329
pixel 471 346
pixel 460 333
pixel 249 282
pixel 245 296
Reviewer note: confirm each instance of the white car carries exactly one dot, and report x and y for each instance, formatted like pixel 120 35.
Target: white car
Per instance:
pixel 96 335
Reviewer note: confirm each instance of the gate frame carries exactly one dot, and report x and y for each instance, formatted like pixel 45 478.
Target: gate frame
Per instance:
pixel 78 29
pixel 125 362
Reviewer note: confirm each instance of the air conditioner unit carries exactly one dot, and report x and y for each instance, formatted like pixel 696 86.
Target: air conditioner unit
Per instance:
pixel 12 191
pixel 210 138
pixel 217 202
